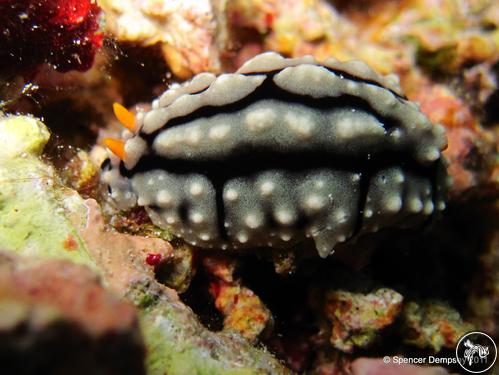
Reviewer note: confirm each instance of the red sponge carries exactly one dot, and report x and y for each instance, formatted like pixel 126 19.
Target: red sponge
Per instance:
pixel 62 33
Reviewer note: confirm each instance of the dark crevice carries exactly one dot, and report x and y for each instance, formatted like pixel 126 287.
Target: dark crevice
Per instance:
pixel 199 299
pixel 491 109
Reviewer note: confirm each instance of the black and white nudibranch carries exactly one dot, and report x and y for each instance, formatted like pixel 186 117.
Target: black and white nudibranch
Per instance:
pixel 281 150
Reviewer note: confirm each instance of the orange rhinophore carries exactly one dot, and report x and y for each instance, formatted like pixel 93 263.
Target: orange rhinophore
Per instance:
pixel 124 116
pixel 117 146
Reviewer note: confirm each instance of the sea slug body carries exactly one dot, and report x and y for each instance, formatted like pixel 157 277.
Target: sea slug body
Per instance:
pixel 281 150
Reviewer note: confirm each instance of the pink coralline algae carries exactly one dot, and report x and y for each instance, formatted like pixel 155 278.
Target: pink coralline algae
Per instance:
pixel 62 33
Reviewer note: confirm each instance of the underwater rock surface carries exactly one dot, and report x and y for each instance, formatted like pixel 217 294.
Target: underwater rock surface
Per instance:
pixel 56 315
pixel 177 343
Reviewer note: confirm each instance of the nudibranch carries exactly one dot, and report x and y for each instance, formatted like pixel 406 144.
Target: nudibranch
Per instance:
pixel 282 150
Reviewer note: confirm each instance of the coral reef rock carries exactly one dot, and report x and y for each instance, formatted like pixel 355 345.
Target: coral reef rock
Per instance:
pixel 358 318
pixel 56 316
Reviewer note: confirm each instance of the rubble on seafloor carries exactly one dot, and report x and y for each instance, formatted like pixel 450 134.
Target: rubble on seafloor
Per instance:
pixel 425 288
pixel 433 325
pixel 243 310
pixel 357 319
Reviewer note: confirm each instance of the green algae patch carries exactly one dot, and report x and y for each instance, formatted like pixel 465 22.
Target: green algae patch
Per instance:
pixel 22 136
pixel 33 207
pixel 179 344
pixel 181 356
